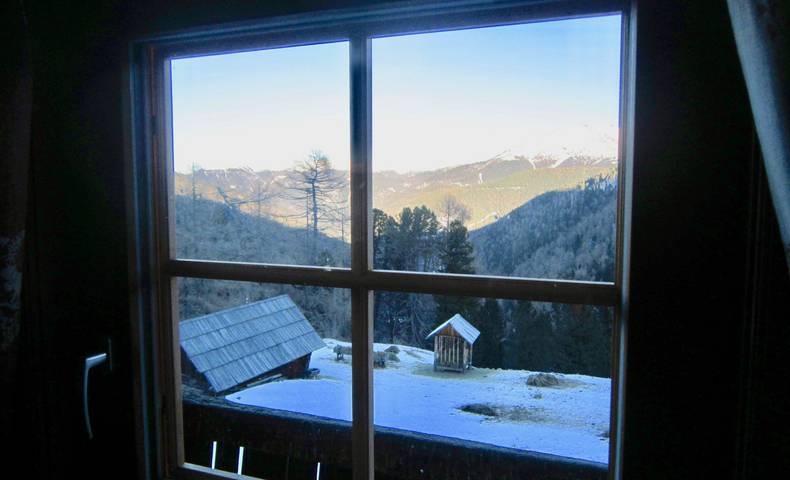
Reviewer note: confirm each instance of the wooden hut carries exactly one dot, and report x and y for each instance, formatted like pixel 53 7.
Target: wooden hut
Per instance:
pixel 452 344
pixel 235 347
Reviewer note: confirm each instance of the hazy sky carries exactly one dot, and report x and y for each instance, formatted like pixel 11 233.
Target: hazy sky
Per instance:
pixel 439 99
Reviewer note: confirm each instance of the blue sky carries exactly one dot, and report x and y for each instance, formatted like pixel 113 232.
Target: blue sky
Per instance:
pixel 439 99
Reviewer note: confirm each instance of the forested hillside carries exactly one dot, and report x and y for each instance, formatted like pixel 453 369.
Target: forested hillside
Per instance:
pixel 215 231
pixel 210 230
pixel 568 234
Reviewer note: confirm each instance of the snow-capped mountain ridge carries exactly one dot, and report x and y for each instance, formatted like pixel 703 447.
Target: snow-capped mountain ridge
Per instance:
pixel 498 184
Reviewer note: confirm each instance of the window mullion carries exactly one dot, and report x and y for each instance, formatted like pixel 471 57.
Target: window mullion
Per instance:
pixel 361 257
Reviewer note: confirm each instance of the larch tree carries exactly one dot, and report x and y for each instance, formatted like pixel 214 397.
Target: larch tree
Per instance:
pixel 451 209
pixel 317 186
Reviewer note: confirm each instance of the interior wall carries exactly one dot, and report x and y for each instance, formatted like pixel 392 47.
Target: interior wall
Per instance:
pixel 76 280
pixel 692 186
pixel 693 150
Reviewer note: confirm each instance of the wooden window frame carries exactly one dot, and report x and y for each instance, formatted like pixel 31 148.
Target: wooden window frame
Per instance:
pixel 150 191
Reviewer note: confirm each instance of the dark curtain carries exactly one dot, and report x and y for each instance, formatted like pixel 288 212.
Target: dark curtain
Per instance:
pixel 762 34
pixel 16 92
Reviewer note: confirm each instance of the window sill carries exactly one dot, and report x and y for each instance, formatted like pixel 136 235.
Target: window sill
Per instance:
pixel 398 454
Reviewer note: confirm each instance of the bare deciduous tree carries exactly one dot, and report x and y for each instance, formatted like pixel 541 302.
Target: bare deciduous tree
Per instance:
pixel 450 208
pixel 317 186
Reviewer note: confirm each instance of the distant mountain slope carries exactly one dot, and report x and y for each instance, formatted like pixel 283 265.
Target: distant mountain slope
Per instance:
pixel 490 189
pixel 567 235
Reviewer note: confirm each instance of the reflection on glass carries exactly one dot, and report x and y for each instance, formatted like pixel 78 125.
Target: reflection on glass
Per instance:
pixel 495 150
pixel 524 375
pixel 266 348
pixel 261 155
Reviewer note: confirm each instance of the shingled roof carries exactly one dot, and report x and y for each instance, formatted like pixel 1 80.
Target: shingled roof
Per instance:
pixel 236 345
pixel 461 326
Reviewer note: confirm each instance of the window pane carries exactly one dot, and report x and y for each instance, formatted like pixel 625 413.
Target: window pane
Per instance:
pixel 261 156
pixel 527 376
pixel 495 150
pixel 260 371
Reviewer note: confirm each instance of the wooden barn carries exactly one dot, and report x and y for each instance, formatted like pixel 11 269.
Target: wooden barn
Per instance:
pixel 452 344
pixel 237 346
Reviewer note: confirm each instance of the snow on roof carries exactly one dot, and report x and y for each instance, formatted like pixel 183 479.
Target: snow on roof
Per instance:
pixel 461 326
pixel 235 345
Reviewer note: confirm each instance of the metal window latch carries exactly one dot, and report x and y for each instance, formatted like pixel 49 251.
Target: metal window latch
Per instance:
pixel 91 362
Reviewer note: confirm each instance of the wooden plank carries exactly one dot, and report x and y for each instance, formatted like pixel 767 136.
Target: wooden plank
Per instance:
pixel 191 471
pixel 538 290
pixel 262 273
pixel 361 259
pixel 167 336
pixel 143 267
pixel 623 247
pixel 341 24
pixel 362 384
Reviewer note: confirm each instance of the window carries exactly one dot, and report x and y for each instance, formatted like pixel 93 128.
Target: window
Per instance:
pixel 386 241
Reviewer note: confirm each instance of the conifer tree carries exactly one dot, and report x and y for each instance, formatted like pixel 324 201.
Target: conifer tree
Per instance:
pixel 488 348
pixel 407 242
pixel 456 256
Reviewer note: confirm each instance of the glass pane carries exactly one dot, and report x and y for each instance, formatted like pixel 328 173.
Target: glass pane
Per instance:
pixel 479 373
pixel 260 370
pixel 495 150
pixel 261 156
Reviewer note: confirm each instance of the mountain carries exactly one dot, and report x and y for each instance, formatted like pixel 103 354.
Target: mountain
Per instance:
pixel 565 234
pixel 490 189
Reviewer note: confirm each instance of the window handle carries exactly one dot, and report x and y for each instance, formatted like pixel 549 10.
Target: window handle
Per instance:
pixel 90 362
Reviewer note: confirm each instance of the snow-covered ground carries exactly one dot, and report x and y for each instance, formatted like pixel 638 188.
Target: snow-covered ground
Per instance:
pixel 570 420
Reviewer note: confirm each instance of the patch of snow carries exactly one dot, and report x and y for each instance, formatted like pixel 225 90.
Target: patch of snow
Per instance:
pixel 410 395
pixel 503 156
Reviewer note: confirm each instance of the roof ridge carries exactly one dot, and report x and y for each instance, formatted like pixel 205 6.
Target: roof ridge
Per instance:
pixel 451 323
pixel 237 307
